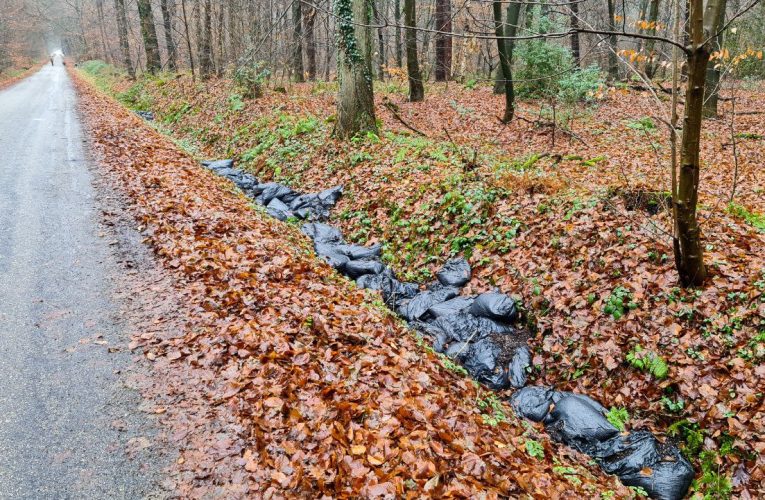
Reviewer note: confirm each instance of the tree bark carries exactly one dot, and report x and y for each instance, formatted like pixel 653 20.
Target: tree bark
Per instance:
pixel 575 51
pixel 167 22
pixel 355 102
pixel 711 90
pixel 397 20
pixel 206 64
pixel 443 41
pixel 653 17
pixel 298 72
pixel 309 19
pixel 505 50
pixel 149 34
pixel 689 251
pixel 416 89
pixel 613 42
pixel 188 39
pixel 380 41
pixel 119 8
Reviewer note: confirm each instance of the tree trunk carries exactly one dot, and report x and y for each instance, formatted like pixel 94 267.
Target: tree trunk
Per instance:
pixel 298 73
pixel 380 41
pixel 102 30
pixel 167 22
pixel 220 67
pixel 653 17
pixel 575 51
pixel 206 64
pixel 119 7
pixel 443 40
pixel 505 50
pixel 712 88
pixel 416 89
pixel 397 20
pixel 613 42
pixel 149 34
pixel 309 19
pixel 188 39
pixel 355 101
pixel 689 251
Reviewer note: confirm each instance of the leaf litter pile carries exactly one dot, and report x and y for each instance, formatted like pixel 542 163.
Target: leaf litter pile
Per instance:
pixel 332 394
pixel 577 227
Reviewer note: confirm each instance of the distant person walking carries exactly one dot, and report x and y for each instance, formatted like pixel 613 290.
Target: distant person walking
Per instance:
pixel 51 60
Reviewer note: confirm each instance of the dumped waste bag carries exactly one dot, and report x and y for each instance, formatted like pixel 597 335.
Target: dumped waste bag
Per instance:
pixel 357 268
pixel 480 359
pixel 638 458
pixel 278 209
pixel 419 305
pixel 218 164
pixel 521 361
pixel 322 233
pixel 494 305
pixel 452 306
pixel 273 190
pixel 456 272
pixel 356 252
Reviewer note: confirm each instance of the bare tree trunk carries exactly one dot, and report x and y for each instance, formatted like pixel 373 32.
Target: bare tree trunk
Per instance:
pixel 689 251
pixel 613 42
pixel 119 8
pixel 355 102
pixel 298 72
pixel 711 93
pixel 443 40
pixel 167 22
pixel 653 17
pixel 205 48
pixel 149 34
pixel 575 51
pixel 397 20
pixel 102 30
pixel 188 39
pixel 416 89
pixel 309 19
pixel 380 42
pixel 505 50
pixel 220 67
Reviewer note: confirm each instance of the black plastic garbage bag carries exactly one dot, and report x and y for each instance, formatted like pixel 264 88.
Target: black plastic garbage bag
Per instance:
pixel 534 402
pixel 579 422
pixel 273 190
pixel 464 327
pixel 639 459
pixel 356 252
pixel 330 196
pixel 456 272
pixel 278 209
pixel 218 164
pixel 521 361
pixel 480 359
pixel 393 291
pixel 357 268
pixel 246 181
pixel 423 301
pixel 304 201
pixel 453 306
pixel 333 257
pixel 494 305
pixel 322 233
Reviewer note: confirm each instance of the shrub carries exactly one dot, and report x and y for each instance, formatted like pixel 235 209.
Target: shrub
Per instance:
pixel 249 77
pixel 542 65
pixel 580 85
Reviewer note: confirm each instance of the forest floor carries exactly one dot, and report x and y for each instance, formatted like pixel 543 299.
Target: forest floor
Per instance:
pixel 16 73
pixel 573 222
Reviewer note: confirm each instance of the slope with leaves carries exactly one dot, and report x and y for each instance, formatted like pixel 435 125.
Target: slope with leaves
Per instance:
pixel 334 395
pixel 579 232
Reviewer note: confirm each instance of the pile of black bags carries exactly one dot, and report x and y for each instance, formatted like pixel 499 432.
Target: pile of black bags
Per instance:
pixel 480 333
pixel 638 458
pixel 280 200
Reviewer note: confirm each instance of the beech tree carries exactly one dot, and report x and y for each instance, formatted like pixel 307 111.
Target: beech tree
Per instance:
pixel 416 88
pixel 119 8
pixel 443 19
pixel 149 35
pixel 355 100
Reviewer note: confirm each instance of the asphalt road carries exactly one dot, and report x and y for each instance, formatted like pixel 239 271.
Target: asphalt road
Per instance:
pixel 66 415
